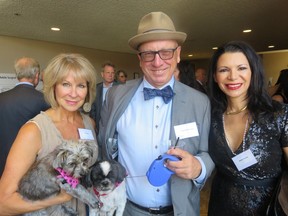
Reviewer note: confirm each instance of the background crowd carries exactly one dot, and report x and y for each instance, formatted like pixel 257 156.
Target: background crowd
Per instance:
pixel 222 118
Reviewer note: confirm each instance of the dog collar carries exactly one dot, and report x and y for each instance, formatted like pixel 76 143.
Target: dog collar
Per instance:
pixel 98 194
pixel 104 194
pixel 100 204
pixel 69 179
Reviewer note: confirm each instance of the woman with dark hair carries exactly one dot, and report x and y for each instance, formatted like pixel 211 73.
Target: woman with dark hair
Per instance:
pixel 121 76
pixel 281 93
pixel 185 74
pixel 248 135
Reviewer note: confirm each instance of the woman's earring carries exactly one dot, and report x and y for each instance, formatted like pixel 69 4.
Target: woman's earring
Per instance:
pixel 87 107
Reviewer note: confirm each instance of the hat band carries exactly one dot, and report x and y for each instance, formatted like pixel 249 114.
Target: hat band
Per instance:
pixel 158 30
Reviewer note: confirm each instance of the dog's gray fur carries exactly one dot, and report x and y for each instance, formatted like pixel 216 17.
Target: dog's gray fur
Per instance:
pixel 41 182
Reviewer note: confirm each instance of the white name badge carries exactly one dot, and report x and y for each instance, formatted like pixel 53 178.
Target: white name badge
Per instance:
pixel 186 130
pixel 85 134
pixel 244 160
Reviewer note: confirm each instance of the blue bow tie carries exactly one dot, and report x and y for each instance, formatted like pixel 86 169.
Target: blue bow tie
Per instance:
pixel 166 93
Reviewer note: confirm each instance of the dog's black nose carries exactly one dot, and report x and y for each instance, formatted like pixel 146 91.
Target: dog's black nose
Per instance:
pixel 105 183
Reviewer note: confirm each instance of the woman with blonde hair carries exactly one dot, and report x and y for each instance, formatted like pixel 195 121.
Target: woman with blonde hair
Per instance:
pixel 69 88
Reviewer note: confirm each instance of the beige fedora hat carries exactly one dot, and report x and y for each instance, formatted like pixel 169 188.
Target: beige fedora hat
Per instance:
pixel 156 26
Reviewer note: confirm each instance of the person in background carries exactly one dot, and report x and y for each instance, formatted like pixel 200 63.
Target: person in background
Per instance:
pixel 281 93
pixel 42 75
pixel 121 76
pixel 108 76
pixel 19 104
pixel 137 125
pixel 69 86
pixel 248 135
pixel 201 77
pixel 185 74
pixel 272 88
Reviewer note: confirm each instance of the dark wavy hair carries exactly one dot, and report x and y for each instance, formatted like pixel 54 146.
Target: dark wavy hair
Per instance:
pixel 187 73
pixel 260 103
pixel 283 84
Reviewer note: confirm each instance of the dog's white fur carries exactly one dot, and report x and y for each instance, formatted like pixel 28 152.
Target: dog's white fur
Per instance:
pixel 108 179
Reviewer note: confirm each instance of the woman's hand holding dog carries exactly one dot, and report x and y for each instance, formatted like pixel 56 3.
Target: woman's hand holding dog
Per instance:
pixel 64 196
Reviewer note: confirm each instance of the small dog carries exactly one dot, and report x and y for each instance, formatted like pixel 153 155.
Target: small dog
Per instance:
pixel 62 168
pixel 106 180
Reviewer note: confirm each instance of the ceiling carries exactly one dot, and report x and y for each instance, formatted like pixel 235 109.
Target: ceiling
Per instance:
pixel 108 24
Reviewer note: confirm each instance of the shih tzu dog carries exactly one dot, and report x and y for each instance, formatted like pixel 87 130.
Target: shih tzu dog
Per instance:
pixel 106 180
pixel 62 168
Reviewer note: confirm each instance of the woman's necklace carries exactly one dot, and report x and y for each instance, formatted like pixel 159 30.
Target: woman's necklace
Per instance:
pixel 244 134
pixel 236 112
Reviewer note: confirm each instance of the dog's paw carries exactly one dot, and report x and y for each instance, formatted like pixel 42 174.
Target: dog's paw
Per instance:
pixel 95 204
pixel 66 187
pixel 68 211
pixel 60 181
pixel 93 201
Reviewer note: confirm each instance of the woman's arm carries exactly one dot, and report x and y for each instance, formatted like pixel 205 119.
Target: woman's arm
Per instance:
pixel 21 156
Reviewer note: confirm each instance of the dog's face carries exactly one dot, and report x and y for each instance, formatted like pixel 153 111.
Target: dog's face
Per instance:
pixel 76 157
pixel 105 176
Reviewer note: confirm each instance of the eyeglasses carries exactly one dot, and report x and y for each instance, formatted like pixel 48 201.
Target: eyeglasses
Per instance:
pixel 164 54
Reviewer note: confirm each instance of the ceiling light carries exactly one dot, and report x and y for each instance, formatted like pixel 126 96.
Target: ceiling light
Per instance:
pixel 247 30
pixel 55 29
pixel 215 48
pixel 271 46
pixel 190 55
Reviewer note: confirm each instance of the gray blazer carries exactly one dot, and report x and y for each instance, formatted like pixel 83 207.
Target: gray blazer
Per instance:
pixel 188 106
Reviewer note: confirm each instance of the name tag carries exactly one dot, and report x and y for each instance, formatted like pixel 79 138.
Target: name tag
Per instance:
pixel 186 130
pixel 85 134
pixel 244 160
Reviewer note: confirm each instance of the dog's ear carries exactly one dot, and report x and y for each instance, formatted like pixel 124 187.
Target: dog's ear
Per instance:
pixel 60 157
pixel 93 149
pixel 122 173
pixel 86 180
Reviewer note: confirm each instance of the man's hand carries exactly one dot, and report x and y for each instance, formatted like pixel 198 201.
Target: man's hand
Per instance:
pixel 188 167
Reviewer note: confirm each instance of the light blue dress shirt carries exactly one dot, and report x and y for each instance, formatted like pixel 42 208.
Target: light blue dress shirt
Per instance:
pixel 28 83
pixel 105 89
pixel 143 135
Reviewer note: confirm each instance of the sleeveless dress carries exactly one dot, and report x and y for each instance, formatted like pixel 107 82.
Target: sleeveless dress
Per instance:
pixel 51 137
pixel 247 192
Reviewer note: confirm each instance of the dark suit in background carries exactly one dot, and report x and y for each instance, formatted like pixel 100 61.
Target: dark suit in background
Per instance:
pixel 97 105
pixel 17 106
pixel 200 87
pixel 201 78
pixel 108 76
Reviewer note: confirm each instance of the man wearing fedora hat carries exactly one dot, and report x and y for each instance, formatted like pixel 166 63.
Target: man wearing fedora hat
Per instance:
pixel 143 119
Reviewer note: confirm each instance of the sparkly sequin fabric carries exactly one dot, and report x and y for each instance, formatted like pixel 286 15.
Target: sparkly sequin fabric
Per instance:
pixel 247 192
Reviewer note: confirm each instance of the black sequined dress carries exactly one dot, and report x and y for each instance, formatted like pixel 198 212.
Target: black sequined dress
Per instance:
pixel 247 192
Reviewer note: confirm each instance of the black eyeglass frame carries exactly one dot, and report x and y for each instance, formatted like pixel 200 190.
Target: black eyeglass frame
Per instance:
pixel 159 54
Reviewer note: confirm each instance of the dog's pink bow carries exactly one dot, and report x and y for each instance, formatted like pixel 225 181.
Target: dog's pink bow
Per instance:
pixel 69 179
